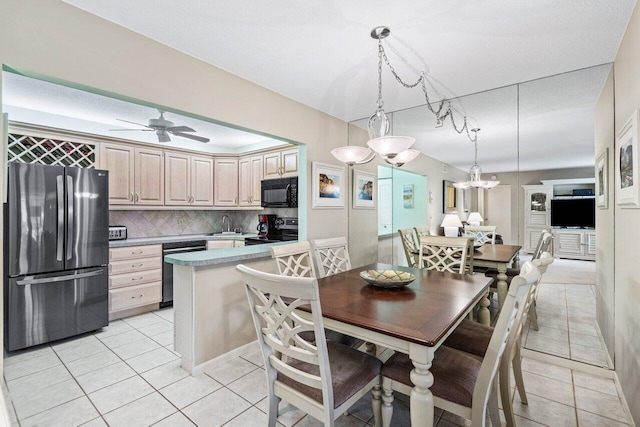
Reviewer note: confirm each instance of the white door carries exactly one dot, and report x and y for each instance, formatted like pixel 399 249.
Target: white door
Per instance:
pixel 498 211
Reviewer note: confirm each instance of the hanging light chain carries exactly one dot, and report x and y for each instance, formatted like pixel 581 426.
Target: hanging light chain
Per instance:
pixel 421 81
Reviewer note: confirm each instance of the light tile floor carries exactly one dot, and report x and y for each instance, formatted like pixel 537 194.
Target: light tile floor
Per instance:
pixel 127 375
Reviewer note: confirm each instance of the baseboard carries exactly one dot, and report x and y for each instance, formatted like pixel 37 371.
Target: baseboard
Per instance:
pixel 598 371
pixel 199 369
pixel 623 400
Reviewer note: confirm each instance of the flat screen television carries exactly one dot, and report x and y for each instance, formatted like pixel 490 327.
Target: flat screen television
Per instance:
pixel 573 212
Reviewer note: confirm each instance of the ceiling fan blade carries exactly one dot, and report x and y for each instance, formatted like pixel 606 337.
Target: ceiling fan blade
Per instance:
pixel 194 137
pixel 129 130
pixel 134 123
pixel 174 129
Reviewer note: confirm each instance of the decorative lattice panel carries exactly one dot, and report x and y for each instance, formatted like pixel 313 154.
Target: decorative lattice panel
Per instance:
pixel 48 151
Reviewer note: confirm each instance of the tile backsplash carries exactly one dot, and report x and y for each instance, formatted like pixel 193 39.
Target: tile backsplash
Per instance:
pixel 181 222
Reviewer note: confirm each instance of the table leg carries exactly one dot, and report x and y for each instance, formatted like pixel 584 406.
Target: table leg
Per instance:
pixel 516 262
pixel 421 400
pixel 483 314
pixel 503 288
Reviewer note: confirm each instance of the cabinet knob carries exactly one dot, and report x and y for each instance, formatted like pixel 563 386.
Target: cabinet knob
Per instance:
pixel 131 196
pixel 137 197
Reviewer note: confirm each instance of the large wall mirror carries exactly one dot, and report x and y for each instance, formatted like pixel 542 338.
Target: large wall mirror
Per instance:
pixel 533 131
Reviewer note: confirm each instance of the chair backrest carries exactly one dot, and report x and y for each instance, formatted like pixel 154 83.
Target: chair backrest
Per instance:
pixel 410 246
pixel 273 300
pixel 481 233
pixel 543 245
pixel 332 256
pixel 545 260
pixel 422 231
pixel 443 253
pixel 293 259
pixel 470 252
pixel 505 331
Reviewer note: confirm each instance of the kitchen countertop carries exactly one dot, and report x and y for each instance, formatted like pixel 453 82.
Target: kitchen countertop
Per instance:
pixel 171 239
pixel 221 256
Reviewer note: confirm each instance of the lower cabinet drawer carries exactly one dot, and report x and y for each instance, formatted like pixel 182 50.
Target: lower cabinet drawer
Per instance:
pixel 129 266
pixel 129 279
pixel 135 296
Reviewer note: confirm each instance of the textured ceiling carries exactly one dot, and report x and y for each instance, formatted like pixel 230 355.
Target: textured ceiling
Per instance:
pixel 320 52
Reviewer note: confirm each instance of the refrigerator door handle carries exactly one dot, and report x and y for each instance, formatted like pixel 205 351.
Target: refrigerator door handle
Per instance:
pixel 60 234
pixel 70 217
pixel 59 278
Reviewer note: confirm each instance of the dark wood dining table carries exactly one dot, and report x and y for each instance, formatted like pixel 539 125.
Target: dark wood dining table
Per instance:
pixel 414 320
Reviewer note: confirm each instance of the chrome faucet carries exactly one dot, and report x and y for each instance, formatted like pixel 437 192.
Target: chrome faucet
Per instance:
pixel 228 223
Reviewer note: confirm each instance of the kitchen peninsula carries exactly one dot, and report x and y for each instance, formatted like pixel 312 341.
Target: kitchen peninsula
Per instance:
pixel 212 317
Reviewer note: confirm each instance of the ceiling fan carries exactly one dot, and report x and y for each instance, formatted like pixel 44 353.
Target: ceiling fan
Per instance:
pixel 163 127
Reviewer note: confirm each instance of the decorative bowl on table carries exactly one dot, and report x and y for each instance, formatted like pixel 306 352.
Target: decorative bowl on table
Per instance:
pixel 387 278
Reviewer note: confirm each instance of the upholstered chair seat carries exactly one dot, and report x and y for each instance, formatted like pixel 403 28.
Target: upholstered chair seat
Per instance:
pixel 470 337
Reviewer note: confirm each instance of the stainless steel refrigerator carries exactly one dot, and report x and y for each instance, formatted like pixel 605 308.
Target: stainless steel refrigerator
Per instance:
pixel 56 253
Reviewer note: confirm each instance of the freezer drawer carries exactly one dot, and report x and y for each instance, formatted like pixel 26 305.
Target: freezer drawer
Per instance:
pixel 48 307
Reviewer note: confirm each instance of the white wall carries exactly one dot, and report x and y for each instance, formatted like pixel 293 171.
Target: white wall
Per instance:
pixel 627 228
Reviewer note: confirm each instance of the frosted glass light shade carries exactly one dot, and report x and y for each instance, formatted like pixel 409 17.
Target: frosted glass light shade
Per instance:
pixel 462 185
pixel 403 157
pixel 351 155
pixel 491 184
pixel 390 146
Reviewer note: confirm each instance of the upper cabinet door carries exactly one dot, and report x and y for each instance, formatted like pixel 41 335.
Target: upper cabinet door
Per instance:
pixel 272 165
pixel 177 190
pixel 256 179
pixel 149 177
pixel 119 161
pixel 201 181
pixel 289 162
pixel 225 182
pixel 244 181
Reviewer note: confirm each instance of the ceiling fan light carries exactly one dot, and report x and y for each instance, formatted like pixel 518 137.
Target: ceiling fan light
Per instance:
pixel 352 155
pixel 389 146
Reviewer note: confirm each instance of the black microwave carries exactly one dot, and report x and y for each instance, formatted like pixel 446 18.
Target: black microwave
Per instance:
pixel 280 193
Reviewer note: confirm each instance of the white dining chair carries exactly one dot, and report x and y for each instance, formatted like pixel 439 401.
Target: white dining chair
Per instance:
pixel 473 338
pixel 332 255
pixel 293 259
pixel 481 233
pixel 410 246
pixel 462 384
pixel 421 232
pixel 443 253
pixel 321 378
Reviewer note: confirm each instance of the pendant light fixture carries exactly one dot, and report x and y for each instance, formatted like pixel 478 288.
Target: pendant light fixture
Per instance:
pixel 395 150
pixel 475 172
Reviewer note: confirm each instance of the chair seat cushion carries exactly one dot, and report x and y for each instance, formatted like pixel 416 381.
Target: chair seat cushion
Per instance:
pixel 334 336
pixel 351 370
pixel 454 374
pixel 471 337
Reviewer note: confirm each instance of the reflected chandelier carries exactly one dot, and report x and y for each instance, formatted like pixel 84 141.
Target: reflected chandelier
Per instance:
pixel 475 172
pixel 395 150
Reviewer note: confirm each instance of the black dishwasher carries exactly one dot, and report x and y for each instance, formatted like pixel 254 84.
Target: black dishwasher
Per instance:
pixel 167 268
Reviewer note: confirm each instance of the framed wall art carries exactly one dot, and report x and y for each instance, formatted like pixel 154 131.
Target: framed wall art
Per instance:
pixel 449 197
pixel 327 186
pixel 626 161
pixel 364 190
pixel 407 196
pixel 602 179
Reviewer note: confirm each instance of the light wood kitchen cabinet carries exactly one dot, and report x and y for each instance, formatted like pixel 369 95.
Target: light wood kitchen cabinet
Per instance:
pixel 250 171
pixel 136 175
pixel 189 180
pixel 225 181
pixel 280 164
pixel 135 279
